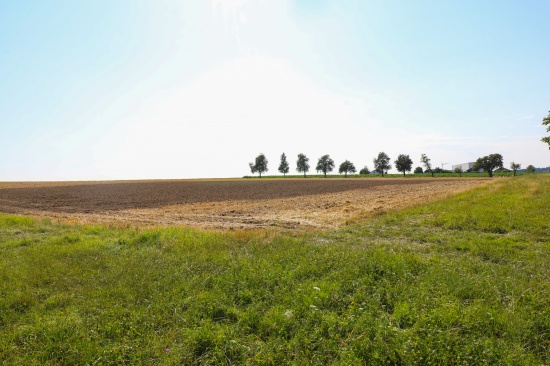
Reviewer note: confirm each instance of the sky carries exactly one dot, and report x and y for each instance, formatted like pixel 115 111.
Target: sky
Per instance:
pixel 163 89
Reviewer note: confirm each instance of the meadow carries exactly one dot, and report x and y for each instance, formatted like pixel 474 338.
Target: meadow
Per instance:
pixel 460 280
pixel 446 174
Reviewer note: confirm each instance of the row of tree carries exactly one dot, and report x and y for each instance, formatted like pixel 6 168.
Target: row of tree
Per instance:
pixel 381 162
pixel 325 165
pixel 403 163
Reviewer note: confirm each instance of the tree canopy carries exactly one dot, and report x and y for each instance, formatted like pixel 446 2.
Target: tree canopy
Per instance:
pixel 458 170
pixel 546 122
pixel 427 164
pixel 403 163
pixel 302 164
pixel 514 167
pixel 489 163
pixel 530 169
pixel 382 163
pixel 347 167
pixel 364 171
pixel 283 167
pixel 325 164
pixel 260 165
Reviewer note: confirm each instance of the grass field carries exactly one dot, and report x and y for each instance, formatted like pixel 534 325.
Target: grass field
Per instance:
pixel 395 175
pixel 462 280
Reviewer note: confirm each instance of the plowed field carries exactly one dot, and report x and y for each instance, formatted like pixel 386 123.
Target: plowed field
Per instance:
pixel 224 203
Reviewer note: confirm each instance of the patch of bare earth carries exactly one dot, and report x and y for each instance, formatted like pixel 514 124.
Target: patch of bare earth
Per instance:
pixel 224 204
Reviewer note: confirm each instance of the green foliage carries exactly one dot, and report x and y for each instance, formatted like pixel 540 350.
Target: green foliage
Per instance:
pixel 364 171
pixel 489 163
pixel 260 166
pixel 439 170
pixel 458 281
pixel 302 164
pixel 347 167
pixel 325 164
pixel 427 163
pixel 403 163
pixel 546 122
pixel 458 170
pixel 514 167
pixel 283 167
pixel 381 163
pixel 530 169
pixel 443 174
pixel 418 170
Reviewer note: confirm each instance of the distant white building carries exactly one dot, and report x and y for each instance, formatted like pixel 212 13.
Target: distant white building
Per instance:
pixel 466 167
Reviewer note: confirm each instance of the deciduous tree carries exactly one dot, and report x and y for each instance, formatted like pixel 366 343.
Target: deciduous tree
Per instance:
pixel 458 170
pixel 403 163
pixel 546 122
pixel 418 170
pixel 364 171
pixel 347 167
pixel 514 167
pixel 260 165
pixel 283 167
pixel 489 163
pixel 427 164
pixel 382 163
pixel 325 164
pixel 530 169
pixel 302 164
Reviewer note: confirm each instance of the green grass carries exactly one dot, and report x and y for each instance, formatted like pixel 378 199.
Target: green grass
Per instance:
pixel 465 280
pixel 393 175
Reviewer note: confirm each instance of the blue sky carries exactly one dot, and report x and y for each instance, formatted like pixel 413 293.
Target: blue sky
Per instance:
pixel 184 89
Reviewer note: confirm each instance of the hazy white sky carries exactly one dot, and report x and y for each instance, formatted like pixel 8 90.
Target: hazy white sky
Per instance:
pixel 130 89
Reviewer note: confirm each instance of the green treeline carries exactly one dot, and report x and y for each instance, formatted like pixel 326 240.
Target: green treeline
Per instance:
pixel 382 164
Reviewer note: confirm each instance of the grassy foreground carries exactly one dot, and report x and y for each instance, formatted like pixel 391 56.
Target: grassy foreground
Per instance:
pixel 465 280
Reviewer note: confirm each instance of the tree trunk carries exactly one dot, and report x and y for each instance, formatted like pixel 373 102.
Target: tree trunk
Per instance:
pixel 346 174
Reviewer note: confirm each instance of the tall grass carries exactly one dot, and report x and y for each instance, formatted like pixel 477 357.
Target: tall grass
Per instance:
pixel 465 280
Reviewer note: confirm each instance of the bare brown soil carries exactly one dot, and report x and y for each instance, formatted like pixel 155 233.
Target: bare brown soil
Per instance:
pixel 224 203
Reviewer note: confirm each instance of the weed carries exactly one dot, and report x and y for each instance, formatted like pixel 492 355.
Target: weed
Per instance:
pixel 463 280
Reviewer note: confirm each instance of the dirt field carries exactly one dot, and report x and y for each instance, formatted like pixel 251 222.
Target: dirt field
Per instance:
pixel 224 203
